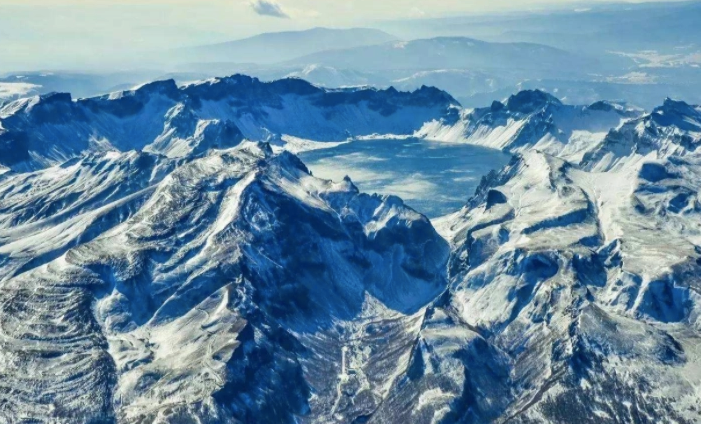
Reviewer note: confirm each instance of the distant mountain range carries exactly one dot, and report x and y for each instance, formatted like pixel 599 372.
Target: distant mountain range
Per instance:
pixel 449 53
pixel 281 46
pixel 598 52
pixel 634 52
pixel 591 27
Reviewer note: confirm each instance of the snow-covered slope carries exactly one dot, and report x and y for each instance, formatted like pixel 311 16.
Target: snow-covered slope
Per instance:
pixel 587 282
pixel 43 214
pixel 327 76
pixel 10 91
pixel 164 118
pixel 531 119
pixel 466 82
pixel 234 287
pixel 673 129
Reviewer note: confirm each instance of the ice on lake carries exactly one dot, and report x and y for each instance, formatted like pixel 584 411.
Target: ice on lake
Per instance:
pixel 433 178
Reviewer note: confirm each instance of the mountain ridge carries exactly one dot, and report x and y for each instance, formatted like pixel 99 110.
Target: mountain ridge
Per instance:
pixel 532 119
pixel 46 130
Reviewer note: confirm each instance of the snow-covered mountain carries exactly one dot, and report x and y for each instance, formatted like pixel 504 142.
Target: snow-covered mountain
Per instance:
pixel 586 279
pixel 171 271
pixel 10 91
pixel 673 129
pixel 587 283
pixel 138 288
pixel 601 136
pixel 531 119
pixel 164 118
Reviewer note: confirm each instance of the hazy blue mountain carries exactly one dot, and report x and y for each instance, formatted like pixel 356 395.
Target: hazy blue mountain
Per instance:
pixel 281 46
pixel 327 76
pixel 591 27
pixel 462 82
pixel 616 27
pixel 450 53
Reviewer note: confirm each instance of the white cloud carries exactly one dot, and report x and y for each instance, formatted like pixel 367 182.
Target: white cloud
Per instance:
pixel 416 12
pixel 269 8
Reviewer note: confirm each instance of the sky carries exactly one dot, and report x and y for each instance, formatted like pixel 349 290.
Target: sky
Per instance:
pixel 58 33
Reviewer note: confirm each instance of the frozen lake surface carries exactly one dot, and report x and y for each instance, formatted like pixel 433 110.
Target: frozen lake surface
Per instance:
pixel 433 178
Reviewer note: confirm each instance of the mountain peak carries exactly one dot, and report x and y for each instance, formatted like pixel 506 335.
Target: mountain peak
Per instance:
pixel 678 108
pixel 168 87
pixel 528 101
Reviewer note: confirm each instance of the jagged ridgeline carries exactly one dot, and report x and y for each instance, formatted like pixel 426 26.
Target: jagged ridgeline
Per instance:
pixel 158 266
pixel 163 118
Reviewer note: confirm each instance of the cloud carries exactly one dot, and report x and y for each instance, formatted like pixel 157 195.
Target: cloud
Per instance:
pixel 269 8
pixel 415 12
